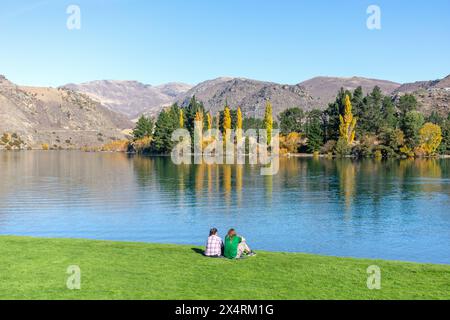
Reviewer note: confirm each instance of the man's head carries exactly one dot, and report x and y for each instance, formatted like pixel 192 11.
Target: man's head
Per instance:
pixel 212 232
pixel 232 233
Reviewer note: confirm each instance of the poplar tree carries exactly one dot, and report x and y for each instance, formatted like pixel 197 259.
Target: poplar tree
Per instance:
pixel 209 120
pixel 268 122
pixel 226 123
pixel 181 118
pixel 348 123
pixel 239 123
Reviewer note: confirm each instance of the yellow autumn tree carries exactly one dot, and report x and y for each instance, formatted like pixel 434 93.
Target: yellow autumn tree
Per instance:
pixel 430 138
pixel 181 118
pixel 209 120
pixel 268 122
pixel 226 123
pixel 348 123
pixel 239 124
pixel 199 116
pixel 199 128
pixel 209 123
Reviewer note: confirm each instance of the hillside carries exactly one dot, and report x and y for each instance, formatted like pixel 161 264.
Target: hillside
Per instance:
pixel 60 118
pixel 432 95
pixel 324 89
pixel 131 98
pixel 252 95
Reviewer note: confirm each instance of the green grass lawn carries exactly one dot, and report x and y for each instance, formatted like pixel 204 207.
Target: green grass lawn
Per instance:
pixel 32 268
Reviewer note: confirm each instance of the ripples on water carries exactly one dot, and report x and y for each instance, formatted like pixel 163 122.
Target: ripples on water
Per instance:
pixel 392 210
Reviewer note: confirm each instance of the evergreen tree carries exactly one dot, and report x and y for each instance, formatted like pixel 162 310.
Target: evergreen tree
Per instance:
pixel 314 130
pixel 167 123
pixel 445 145
pixel 190 112
pixel 144 128
pixel 372 120
pixel 389 114
pixel 435 118
pixel 407 103
pixel 332 114
pixel 291 120
pixel 411 124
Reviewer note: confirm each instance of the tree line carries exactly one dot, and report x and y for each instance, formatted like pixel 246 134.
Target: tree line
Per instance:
pixel 361 126
pixel 355 125
pixel 155 136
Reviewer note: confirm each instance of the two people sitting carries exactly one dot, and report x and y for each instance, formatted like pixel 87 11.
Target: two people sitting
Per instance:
pixel 233 247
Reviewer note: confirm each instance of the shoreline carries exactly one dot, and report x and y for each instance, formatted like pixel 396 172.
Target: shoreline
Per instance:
pixel 291 155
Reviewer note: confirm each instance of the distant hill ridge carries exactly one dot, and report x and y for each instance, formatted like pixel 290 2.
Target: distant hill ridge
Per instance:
pixel 95 112
pixel 131 98
pixel 61 118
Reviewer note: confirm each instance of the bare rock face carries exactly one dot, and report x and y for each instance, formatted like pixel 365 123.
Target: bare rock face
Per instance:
pixel 131 98
pixel 60 118
pixel 431 95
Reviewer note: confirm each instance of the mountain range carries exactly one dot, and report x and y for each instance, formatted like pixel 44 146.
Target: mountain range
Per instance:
pixel 96 112
pixel 131 98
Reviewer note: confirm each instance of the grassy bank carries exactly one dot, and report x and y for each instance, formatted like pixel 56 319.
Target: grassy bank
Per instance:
pixel 33 268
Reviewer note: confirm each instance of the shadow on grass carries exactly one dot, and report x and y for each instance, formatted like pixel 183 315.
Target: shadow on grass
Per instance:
pixel 198 251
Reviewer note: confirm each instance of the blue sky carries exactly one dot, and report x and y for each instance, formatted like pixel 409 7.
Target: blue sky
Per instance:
pixel 158 41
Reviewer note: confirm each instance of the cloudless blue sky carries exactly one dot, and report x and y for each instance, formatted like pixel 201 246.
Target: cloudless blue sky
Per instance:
pixel 158 41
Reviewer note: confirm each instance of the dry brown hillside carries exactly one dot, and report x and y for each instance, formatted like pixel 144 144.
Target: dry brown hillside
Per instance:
pixel 58 117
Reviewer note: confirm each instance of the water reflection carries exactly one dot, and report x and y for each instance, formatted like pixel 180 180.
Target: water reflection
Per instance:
pixel 381 209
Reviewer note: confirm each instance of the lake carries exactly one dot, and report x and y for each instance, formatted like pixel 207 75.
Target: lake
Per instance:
pixel 396 210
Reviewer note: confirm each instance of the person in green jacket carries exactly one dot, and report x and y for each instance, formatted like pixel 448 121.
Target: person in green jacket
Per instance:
pixel 236 246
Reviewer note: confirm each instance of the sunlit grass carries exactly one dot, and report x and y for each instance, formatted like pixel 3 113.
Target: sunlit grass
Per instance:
pixel 32 268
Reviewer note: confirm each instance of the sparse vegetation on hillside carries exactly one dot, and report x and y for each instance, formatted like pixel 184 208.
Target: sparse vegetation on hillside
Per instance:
pixel 12 141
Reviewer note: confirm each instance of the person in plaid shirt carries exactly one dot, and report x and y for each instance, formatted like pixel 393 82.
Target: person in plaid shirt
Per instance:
pixel 214 245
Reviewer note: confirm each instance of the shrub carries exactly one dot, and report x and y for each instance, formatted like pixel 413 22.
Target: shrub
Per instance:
pixel 342 148
pixel 430 138
pixel 328 147
pixel 290 143
pixel 366 147
pixel 142 145
pixel 116 146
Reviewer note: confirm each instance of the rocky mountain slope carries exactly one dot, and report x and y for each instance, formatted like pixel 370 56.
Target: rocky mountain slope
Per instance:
pixel 324 89
pixel 252 95
pixel 432 95
pixel 60 118
pixel 131 98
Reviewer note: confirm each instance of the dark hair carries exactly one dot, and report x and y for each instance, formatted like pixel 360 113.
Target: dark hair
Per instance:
pixel 212 232
pixel 231 233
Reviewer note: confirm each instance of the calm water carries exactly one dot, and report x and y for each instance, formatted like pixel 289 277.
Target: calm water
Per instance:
pixel 391 210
